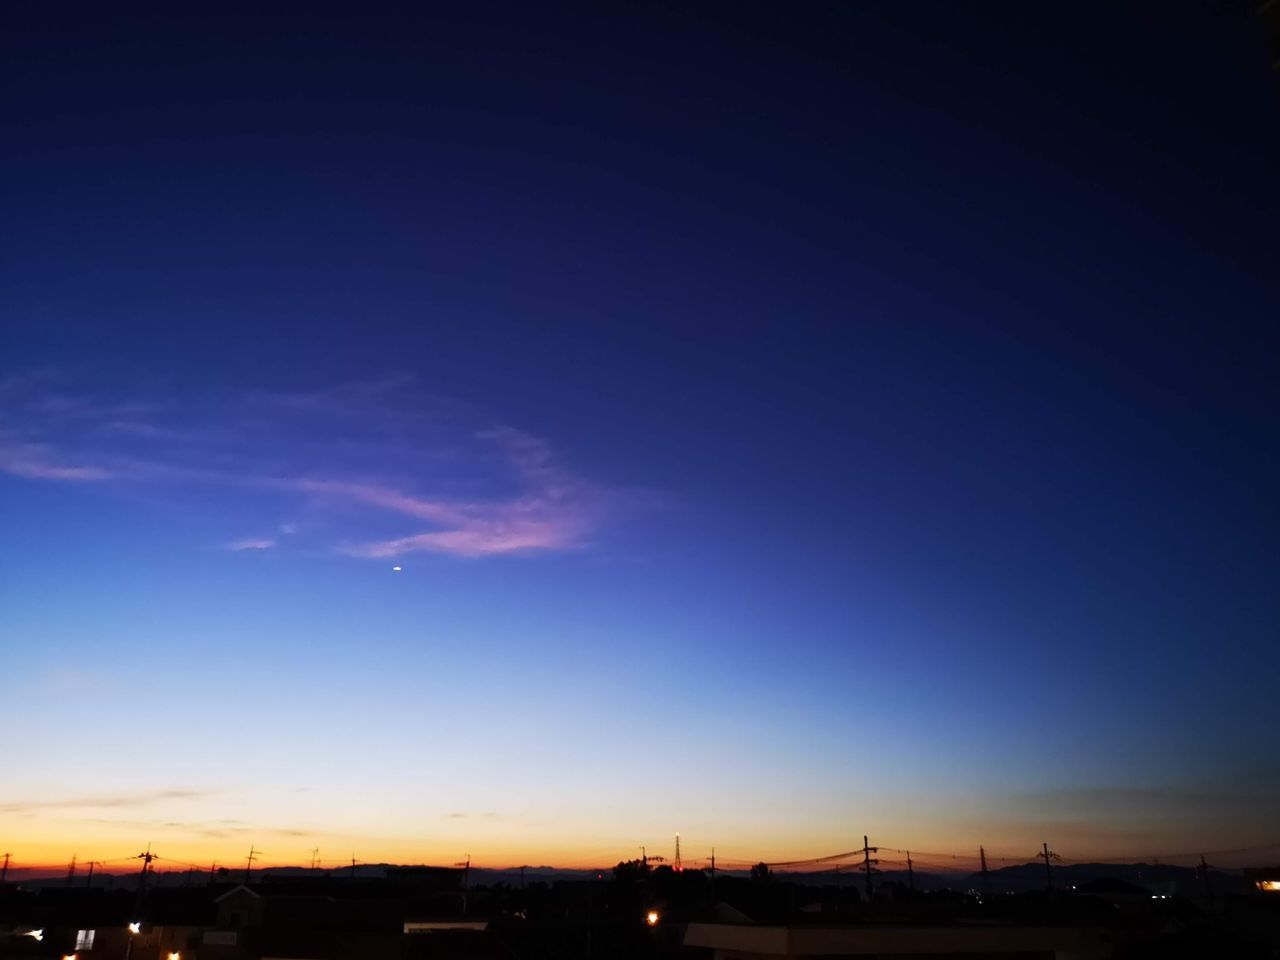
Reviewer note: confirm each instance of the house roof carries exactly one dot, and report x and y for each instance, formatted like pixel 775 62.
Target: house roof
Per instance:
pixel 235 890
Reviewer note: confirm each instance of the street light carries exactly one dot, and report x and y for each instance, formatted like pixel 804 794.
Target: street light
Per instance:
pixel 36 935
pixel 651 918
pixel 134 928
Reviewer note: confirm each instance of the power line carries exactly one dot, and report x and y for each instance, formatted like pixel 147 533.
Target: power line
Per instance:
pixel 911 858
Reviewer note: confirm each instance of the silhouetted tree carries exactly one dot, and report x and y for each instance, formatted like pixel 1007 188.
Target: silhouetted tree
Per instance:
pixel 760 872
pixel 630 871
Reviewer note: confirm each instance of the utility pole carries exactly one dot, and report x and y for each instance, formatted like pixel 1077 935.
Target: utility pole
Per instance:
pixel 4 870
pixel 71 870
pixel 353 866
pixel 213 872
pixel 89 883
pixel 315 857
pixel 911 876
pixel 466 883
pixel 676 866
pixel 644 858
pixel 1204 875
pixel 1048 874
pixel 867 850
pixel 982 856
pixel 713 873
pixel 248 864
pixel 146 857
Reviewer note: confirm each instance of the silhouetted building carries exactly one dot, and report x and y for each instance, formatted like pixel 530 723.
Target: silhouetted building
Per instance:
pixel 417 912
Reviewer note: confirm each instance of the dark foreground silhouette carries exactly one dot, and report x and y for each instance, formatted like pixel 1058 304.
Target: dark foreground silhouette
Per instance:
pixel 631 911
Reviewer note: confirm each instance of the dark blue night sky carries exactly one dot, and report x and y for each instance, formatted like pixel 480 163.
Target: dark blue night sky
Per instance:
pixel 789 422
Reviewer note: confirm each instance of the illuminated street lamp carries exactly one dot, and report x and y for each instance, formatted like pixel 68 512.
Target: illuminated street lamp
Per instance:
pixel 36 935
pixel 651 918
pixel 174 955
pixel 134 928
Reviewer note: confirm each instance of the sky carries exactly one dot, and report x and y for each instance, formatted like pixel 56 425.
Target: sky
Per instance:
pixel 531 431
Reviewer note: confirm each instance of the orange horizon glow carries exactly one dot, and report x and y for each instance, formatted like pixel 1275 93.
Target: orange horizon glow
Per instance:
pixel 443 822
pixel 54 859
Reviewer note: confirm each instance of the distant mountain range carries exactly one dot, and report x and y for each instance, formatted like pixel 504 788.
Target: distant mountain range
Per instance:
pixel 1157 878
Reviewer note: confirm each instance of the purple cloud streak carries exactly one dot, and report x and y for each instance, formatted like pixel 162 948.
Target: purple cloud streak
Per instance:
pixel 293 441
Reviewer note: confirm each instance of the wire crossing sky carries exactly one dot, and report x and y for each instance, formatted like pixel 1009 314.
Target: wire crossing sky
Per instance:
pixel 534 430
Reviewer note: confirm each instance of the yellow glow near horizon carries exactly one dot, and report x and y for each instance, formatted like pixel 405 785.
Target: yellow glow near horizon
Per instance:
pixel 208 828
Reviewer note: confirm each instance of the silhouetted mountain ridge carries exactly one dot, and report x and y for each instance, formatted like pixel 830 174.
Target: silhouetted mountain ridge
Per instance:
pixel 1156 878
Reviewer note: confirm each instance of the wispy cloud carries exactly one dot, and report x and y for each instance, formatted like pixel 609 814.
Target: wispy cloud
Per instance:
pixel 140 428
pixel 359 460
pixel 251 543
pixel 209 829
pixel 475 540
pixel 101 801
pixel 36 463
pixel 554 513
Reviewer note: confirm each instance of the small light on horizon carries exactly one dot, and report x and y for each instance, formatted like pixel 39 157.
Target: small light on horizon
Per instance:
pixel 651 918
pixel 135 927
